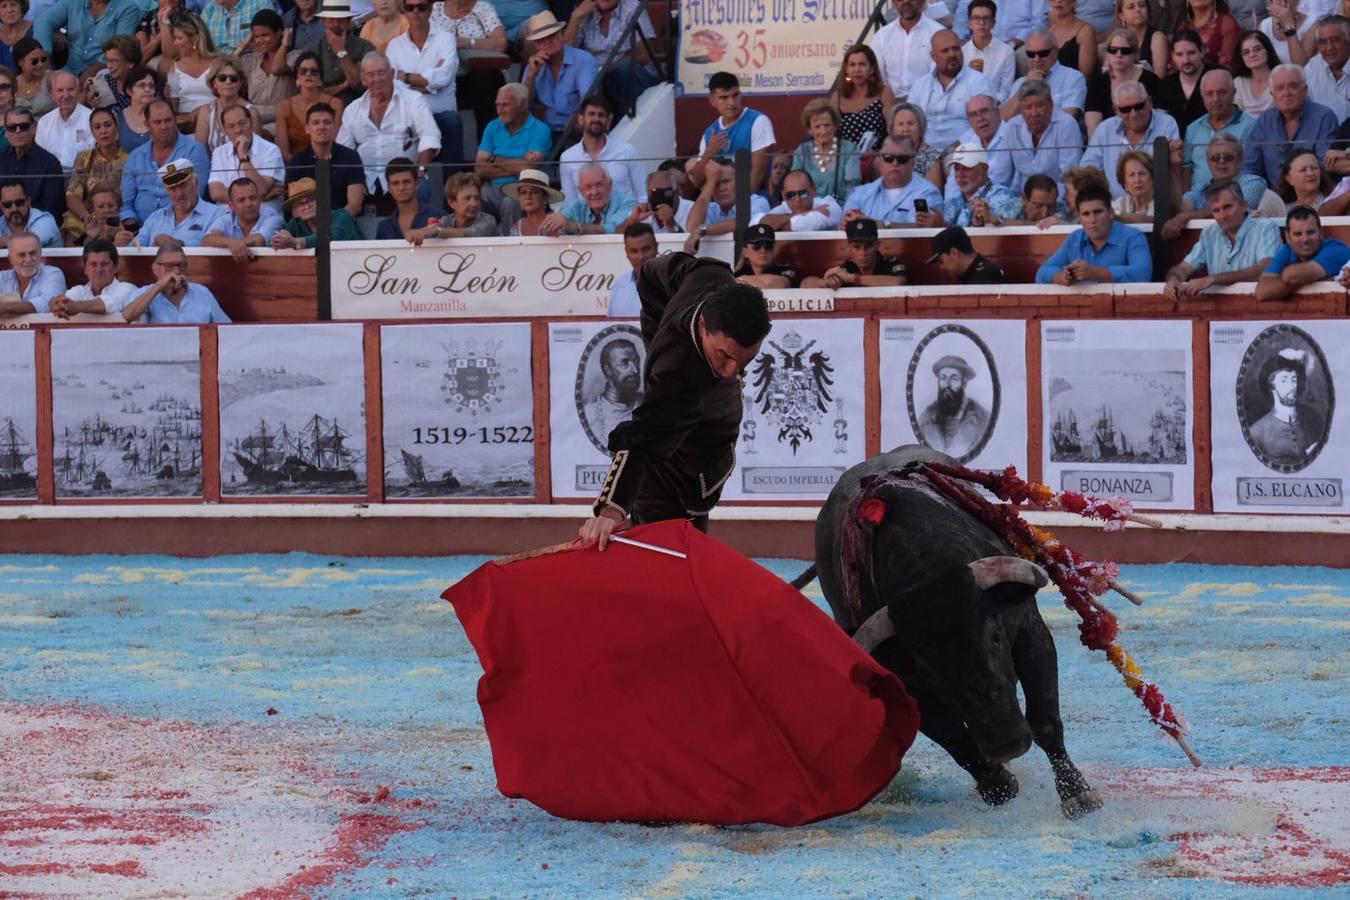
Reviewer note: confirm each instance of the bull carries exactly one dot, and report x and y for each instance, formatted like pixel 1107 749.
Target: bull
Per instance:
pixel 944 603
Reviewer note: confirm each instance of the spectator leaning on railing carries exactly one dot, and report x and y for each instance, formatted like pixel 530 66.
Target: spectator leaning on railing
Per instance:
pixel 346 172
pixel 802 209
pixel 1235 247
pixel 600 209
pixel 465 216
pixel 186 219
pixel 302 228
pixel 19 216
pixel 1041 205
pixel 757 267
pixel 249 222
pixel 173 299
pixel 1102 250
pixel 101 294
pixel 863 264
pixel 29 285
pixel 1308 257
pixel 412 219
pixel 898 193
pixel 596 145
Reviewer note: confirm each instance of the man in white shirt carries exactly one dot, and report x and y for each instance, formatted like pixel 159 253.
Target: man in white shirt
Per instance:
pixel 639 245
pixel 1067 86
pixel 619 158
pixel 248 223
pixel 65 131
pixel 801 209
pixel 943 92
pixel 245 155
pixel 427 62
pixel 1328 82
pixel 670 211
pixel 904 47
pixel 988 130
pixel 103 294
pixel 986 54
pixel 388 121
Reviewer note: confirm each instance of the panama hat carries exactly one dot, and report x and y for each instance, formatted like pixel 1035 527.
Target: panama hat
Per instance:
pixel 534 178
pixel 335 9
pixel 300 189
pixel 542 25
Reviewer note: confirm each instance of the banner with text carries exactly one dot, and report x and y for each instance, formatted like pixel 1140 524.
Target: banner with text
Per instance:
pixel 458 410
pixel 804 422
pixel 595 380
pixel 127 412
pixel 1278 445
pixel 1117 412
pixel 772 46
pixel 18 416
pixel 292 410
pixel 957 387
pixel 478 278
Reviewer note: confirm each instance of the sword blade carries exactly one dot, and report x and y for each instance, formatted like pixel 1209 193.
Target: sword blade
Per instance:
pixel 645 546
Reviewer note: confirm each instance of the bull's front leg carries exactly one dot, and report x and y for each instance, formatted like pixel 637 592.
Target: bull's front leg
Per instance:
pixel 1037 668
pixel 995 782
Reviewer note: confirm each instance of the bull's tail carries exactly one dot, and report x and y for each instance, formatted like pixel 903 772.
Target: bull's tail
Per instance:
pixel 805 578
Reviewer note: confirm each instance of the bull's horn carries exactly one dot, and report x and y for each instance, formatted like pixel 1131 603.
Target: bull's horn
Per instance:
pixel 994 570
pixel 875 631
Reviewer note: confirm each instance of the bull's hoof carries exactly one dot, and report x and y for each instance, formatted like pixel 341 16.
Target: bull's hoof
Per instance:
pixel 1081 804
pixel 998 788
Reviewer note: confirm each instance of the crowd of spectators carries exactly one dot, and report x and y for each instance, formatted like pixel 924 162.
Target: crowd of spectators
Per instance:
pixel 201 123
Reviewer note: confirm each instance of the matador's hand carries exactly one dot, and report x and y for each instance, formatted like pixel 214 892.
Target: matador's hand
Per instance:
pixel 600 527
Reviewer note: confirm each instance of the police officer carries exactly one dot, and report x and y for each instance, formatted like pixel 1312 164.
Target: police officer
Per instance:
pixel 956 254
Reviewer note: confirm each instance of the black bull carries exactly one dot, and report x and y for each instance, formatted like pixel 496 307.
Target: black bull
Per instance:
pixel 944 603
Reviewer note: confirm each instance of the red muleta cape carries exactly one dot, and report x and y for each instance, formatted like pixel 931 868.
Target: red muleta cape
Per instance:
pixel 634 686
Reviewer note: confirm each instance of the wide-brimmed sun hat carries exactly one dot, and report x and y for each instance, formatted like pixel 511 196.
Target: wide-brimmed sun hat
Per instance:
pixel 532 178
pixel 298 190
pixel 542 25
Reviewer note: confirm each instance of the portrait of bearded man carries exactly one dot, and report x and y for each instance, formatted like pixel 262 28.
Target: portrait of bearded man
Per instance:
pixel 1292 431
pixel 955 422
pixel 622 368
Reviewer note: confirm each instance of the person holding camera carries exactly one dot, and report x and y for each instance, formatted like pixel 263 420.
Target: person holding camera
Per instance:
pixel 670 211
pixel 172 299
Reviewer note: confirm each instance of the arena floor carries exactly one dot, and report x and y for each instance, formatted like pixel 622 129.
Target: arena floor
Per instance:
pixel 271 726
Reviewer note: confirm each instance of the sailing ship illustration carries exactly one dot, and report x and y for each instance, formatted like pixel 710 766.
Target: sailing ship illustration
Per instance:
pixel 1064 435
pixel 316 453
pixel 167 449
pixel 415 467
pixel 15 452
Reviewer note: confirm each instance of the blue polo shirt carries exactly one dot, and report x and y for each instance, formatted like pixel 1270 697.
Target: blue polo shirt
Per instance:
pixel 618 208
pixel 1125 255
pixel 501 141
pixel 198 307
pixel 561 96
pixel 143 191
pixel 190 231
pixel 1331 256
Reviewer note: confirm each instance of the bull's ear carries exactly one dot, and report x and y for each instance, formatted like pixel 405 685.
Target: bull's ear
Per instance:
pixel 995 570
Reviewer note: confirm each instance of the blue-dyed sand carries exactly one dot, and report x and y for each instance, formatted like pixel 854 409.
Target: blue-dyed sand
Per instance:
pixel 365 664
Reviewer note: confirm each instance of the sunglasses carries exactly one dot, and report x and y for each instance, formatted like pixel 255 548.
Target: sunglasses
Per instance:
pixel 1132 108
pixel 17 127
pixel 1120 51
pixel 1222 157
pixel 39 60
pixel 793 195
pixel 228 79
pixel 417 7
pixel 14 204
pixel 5 86
pixel 762 245
pixel 1039 54
pixel 308 70
pixel 897 159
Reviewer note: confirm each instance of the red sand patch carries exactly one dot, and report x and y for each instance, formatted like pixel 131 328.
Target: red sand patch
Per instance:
pixel 177 807
pixel 1277 827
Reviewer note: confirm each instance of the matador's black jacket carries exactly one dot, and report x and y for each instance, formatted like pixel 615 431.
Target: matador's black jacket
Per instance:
pixel 673 456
